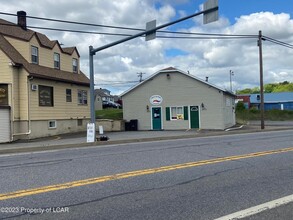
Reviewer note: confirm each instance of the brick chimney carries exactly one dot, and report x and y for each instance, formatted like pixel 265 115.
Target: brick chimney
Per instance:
pixel 21 19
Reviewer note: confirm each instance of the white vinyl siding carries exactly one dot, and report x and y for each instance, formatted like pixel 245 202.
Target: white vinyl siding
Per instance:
pixel 5 125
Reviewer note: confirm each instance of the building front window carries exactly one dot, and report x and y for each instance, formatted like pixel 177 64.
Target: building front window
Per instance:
pixel 68 95
pixel 82 97
pixel 46 95
pixel 57 61
pixel 35 55
pixel 3 94
pixel 74 65
pixel 52 124
pixel 177 113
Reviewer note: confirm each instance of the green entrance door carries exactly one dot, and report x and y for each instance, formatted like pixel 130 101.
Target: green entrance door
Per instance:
pixel 156 118
pixel 194 117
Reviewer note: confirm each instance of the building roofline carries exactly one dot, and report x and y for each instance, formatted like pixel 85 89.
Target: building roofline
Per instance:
pixel 172 69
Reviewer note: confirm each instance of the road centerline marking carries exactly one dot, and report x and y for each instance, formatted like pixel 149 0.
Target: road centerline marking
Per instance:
pixel 90 181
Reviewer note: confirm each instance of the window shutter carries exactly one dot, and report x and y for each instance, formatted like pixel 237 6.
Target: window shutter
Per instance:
pixel 167 113
pixel 185 112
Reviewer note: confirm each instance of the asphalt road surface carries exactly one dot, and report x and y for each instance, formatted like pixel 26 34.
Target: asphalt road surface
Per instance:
pixel 199 178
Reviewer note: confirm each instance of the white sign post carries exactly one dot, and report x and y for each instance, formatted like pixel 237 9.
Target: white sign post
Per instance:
pixel 91 129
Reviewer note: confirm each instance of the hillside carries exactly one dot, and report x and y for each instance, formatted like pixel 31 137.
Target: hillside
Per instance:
pixel 270 88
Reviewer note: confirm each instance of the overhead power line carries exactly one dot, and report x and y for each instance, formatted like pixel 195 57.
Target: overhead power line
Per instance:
pixel 281 43
pixel 202 36
pixel 117 27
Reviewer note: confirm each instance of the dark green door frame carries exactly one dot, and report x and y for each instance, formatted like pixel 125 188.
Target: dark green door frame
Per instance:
pixel 194 116
pixel 156 118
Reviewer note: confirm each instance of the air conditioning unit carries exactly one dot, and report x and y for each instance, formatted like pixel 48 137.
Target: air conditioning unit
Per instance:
pixel 34 87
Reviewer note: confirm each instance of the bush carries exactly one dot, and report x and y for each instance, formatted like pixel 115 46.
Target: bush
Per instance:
pixel 240 106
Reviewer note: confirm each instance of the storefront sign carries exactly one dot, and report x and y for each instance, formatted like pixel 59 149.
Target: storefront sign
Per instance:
pixel 91 129
pixel 156 100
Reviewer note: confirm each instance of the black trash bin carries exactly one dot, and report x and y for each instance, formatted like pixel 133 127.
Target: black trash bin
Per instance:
pixel 133 125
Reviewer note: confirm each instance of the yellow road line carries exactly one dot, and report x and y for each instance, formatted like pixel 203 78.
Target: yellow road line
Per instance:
pixel 50 188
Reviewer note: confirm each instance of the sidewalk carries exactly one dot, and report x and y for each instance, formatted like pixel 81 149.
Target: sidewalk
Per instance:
pixel 79 139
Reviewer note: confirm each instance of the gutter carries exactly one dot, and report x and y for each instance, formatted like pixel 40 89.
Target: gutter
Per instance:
pixel 28 113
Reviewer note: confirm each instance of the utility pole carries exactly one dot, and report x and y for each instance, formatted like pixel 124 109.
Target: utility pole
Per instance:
pixel 140 76
pixel 231 74
pixel 262 121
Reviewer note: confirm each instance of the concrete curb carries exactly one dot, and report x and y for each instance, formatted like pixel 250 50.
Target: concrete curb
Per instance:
pixel 148 139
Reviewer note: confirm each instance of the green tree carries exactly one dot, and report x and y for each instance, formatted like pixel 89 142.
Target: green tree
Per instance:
pixel 269 88
pixel 255 90
pixel 240 106
pixel 244 91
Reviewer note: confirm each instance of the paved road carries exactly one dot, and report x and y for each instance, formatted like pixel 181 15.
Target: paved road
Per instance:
pixel 194 178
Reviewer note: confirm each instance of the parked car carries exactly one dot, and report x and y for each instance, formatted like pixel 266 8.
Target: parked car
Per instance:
pixel 110 104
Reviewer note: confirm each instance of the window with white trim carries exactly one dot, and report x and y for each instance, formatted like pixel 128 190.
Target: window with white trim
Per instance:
pixel 52 124
pixel 82 97
pixel 57 61
pixel 177 113
pixel 68 95
pixel 35 55
pixel 74 65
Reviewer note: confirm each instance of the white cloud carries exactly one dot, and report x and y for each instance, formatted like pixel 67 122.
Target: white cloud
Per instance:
pixel 213 58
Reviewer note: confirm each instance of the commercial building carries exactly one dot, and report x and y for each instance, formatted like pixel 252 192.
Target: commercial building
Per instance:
pixel 171 99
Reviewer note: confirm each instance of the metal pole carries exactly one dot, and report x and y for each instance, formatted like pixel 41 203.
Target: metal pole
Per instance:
pixel 262 121
pixel 92 89
pixel 93 51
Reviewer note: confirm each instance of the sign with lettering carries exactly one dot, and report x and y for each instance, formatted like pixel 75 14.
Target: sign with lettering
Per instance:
pixel 91 129
pixel 156 99
pixel 45 96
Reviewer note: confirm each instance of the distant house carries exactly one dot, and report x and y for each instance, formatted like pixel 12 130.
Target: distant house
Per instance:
pixel 42 90
pixel 172 99
pixel 245 99
pixel 103 98
pixel 281 101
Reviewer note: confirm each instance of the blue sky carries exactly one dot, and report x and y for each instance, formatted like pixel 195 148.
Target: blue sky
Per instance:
pixel 235 8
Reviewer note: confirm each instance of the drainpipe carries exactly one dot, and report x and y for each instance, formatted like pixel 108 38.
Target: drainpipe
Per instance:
pixel 28 112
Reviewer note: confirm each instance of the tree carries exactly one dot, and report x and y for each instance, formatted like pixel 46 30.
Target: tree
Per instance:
pixel 240 106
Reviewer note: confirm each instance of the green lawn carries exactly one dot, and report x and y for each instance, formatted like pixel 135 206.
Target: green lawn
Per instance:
pixel 272 115
pixel 242 116
pixel 110 113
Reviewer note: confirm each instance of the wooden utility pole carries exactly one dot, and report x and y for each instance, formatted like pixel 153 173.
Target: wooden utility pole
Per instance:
pixel 140 76
pixel 262 121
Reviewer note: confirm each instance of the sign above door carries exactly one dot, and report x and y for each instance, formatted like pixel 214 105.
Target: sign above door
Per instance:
pixel 156 99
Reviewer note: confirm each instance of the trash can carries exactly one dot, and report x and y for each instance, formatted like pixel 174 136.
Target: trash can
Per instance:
pixel 133 125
